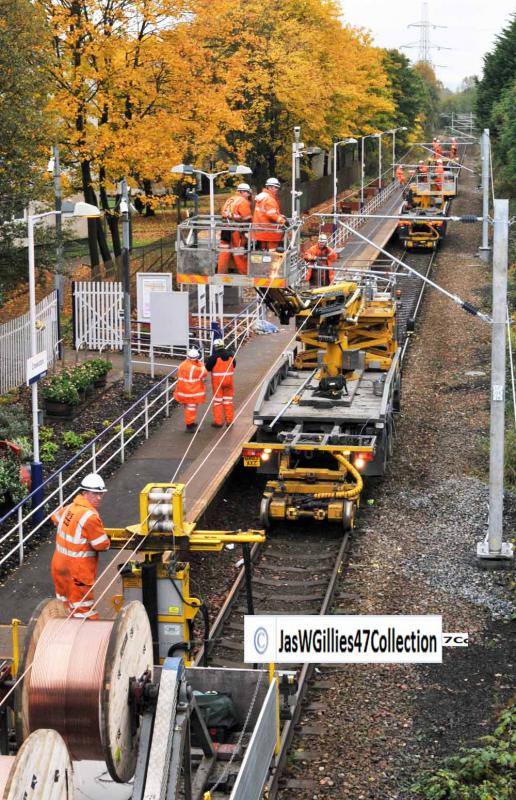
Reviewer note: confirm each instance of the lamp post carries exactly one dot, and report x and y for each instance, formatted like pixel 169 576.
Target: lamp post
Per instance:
pixel 367 136
pixel 394 132
pixel 78 210
pixel 350 140
pixel 234 169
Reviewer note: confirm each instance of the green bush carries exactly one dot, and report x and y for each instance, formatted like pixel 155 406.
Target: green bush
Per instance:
pixel 72 440
pixel 481 773
pixel 48 452
pixel 25 445
pixel 12 423
pixel 46 433
pixel 11 487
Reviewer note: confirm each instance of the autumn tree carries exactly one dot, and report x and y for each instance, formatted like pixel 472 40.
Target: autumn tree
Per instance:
pixel 289 63
pixel 432 90
pixel 133 94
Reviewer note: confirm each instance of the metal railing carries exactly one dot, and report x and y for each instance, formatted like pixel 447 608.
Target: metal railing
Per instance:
pixel 95 456
pixel 236 328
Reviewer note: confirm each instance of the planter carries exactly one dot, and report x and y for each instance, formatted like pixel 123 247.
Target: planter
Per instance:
pixel 57 408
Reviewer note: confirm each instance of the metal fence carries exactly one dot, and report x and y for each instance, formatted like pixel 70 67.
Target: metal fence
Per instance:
pixel 110 445
pixel 97 315
pixel 15 347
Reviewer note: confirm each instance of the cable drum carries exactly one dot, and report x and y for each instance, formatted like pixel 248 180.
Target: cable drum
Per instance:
pixel 78 682
pixel 42 770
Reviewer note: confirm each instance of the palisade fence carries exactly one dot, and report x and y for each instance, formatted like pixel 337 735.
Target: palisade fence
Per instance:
pixel 109 447
pixel 15 347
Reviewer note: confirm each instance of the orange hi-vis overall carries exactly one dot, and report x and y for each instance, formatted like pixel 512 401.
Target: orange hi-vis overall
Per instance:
pixel 236 209
pixel 267 213
pixel 222 373
pixel 439 177
pixel 190 389
pixel 80 536
pixel 326 254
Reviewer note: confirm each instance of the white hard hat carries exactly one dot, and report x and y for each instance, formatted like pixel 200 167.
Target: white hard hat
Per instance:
pixel 93 483
pixel 194 353
pixel 323 239
pixel 243 187
pixel 218 343
pixel 439 161
pixel 273 182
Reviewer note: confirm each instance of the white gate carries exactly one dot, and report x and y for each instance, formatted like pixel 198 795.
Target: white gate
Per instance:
pixel 98 315
pixel 15 342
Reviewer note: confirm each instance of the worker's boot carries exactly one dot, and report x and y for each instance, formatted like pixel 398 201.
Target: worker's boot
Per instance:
pixel 216 424
pixel 191 427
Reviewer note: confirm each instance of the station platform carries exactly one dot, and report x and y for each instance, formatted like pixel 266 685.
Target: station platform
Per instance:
pixel 356 252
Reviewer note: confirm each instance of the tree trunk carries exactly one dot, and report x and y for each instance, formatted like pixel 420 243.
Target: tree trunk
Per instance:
pixel 92 227
pixel 147 186
pixel 112 218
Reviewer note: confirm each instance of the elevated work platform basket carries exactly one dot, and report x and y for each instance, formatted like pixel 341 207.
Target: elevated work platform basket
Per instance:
pixel 204 243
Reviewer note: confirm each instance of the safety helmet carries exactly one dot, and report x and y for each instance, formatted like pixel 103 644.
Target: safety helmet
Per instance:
pixel 93 483
pixel 421 162
pixel 273 182
pixel 439 161
pixel 218 343
pixel 194 353
pixel 243 187
pixel 323 239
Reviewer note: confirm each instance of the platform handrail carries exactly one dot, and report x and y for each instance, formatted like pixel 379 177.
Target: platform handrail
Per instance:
pixel 146 408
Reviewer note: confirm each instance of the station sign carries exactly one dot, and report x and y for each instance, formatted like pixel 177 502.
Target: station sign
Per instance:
pixel 37 367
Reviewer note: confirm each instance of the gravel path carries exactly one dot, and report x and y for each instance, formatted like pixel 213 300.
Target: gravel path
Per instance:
pixel 377 726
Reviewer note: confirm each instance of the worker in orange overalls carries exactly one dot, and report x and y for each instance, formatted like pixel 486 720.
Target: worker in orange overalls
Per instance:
pixel 439 175
pixel 325 255
pixel 80 536
pixel 400 175
pixel 190 387
pixel 436 148
pixel 237 208
pixel 422 171
pixel 221 364
pixel 267 216
pixel 454 150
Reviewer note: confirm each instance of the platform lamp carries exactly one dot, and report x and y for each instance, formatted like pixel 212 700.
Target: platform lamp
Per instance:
pixel 79 209
pixel 234 169
pixel 394 131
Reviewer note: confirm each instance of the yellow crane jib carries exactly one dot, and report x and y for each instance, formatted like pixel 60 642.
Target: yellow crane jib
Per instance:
pixel 164 527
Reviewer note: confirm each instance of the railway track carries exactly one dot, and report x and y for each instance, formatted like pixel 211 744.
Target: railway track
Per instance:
pixel 300 571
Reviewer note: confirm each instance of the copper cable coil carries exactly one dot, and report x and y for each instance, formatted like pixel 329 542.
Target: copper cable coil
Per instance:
pixel 6 765
pixel 66 683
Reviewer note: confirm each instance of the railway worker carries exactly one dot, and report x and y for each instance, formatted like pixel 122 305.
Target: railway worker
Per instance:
pixel 422 171
pixel 324 255
pixel 436 147
pixel 400 175
pixel 267 213
pixel 79 538
pixel 190 387
pixel 454 150
pixel 411 176
pixel 237 208
pixel 439 175
pixel 221 364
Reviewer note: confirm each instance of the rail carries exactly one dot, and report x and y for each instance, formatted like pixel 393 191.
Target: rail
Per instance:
pixel 95 456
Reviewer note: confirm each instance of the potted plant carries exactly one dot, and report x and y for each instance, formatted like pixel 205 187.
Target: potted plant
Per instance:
pixel 99 368
pixel 82 379
pixel 61 396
